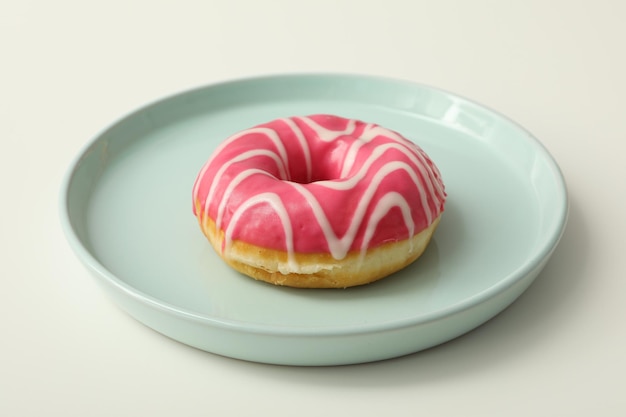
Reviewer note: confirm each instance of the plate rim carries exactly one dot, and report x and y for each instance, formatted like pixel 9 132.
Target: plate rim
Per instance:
pixel 535 260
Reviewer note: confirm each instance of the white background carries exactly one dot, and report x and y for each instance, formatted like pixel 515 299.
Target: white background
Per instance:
pixel 68 68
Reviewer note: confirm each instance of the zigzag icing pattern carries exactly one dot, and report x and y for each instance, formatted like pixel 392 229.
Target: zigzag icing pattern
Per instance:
pixel 318 184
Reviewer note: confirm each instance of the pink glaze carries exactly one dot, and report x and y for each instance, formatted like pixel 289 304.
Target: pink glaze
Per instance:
pixel 319 184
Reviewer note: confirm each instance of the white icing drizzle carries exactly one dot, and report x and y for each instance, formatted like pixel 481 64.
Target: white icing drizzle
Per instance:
pixel 369 132
pixel 277 204
pixel 305 147
pixel 339 246
pixel 328 135
pixel 428 186
pixel 231 186
pixel 242 157
pixel 270 133
pixel 419 158
pixel 386 203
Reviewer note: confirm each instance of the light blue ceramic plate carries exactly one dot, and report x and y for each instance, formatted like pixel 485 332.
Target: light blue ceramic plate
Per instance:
pixel 126 209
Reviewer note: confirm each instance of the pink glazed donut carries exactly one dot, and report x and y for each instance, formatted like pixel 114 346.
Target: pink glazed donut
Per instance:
pixel 318 201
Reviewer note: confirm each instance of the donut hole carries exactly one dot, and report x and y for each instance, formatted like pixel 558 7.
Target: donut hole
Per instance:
pixel 327 168
pixel 324 172
pixel 320 171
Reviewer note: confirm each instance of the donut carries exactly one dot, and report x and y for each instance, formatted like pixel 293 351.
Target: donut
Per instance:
pixel 318 201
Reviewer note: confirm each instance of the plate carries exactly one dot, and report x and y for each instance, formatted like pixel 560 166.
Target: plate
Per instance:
pixel 126 211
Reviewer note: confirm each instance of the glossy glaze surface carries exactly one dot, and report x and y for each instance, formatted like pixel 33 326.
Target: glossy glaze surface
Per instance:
pixel 318 184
